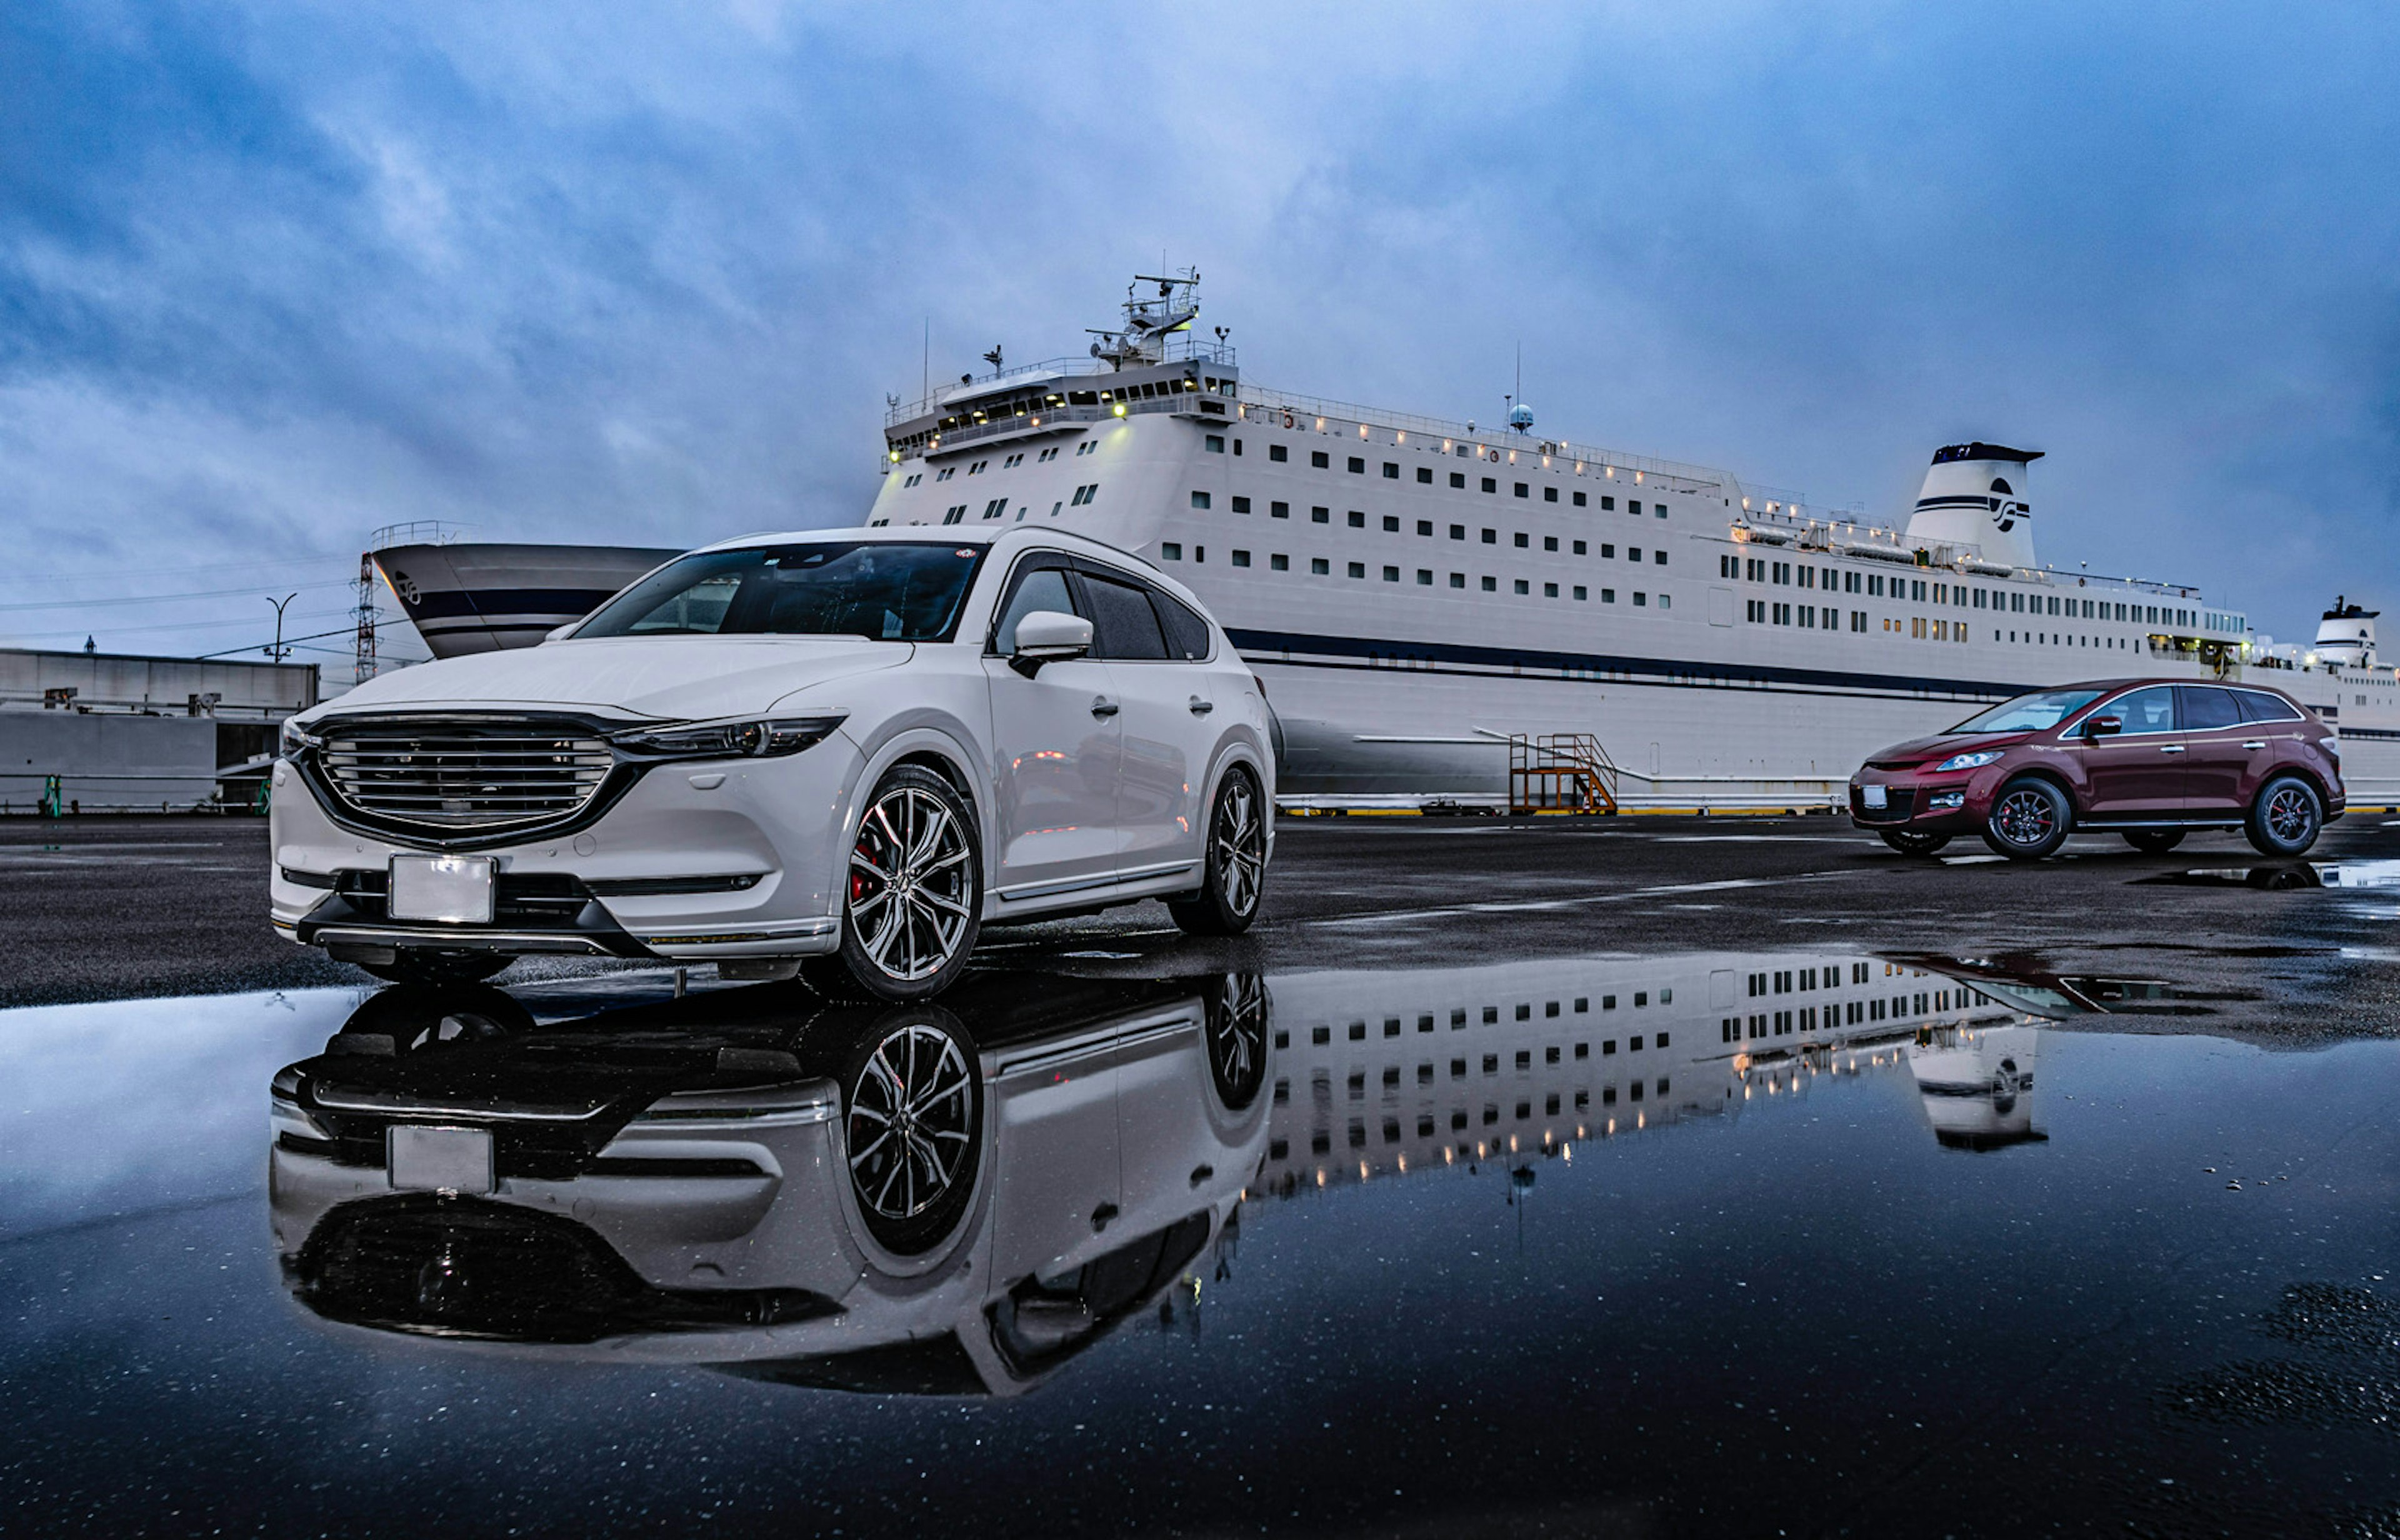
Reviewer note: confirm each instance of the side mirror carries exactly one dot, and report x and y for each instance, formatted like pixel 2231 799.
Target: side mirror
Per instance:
pixel 2103 726
pixel 1049 636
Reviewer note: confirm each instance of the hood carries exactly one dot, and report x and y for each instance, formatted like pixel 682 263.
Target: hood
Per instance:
pixel 692 679
pixel 1942 746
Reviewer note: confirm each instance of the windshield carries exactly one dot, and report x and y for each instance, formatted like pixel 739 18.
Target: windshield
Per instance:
pixel 883 591
pixel 2030 713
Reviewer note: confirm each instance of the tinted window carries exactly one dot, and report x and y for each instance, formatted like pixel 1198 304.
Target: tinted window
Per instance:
pixel 1123 625
pixel 1043 589
pixel 1187 634
pixel 2259 706
pixel 883 591
pixel 2151 710
pixel 2205 706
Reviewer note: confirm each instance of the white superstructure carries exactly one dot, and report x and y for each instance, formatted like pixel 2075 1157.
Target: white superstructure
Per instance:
pixel 1415 591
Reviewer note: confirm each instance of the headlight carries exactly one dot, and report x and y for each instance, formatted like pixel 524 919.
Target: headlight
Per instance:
pixel 1969 761
pixel 295 738
pixel 744 739
pixel 2332 746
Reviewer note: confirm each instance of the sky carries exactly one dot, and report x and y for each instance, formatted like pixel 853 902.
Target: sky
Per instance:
pixel 275 277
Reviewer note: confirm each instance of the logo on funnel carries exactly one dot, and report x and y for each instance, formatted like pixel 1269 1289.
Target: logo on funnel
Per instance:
pixel 2006 508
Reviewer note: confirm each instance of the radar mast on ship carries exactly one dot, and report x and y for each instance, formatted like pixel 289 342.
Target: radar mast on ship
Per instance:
pixel 1150 321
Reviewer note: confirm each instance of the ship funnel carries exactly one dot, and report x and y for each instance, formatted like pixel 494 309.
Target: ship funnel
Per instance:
pixel 1974 494
pixel 2346 635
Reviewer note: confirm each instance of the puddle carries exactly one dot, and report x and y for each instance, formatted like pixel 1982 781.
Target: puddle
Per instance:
pixel 1387 1243
pixel 2289 875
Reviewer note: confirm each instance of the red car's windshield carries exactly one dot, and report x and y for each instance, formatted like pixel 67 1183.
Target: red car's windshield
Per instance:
pixel 2030 713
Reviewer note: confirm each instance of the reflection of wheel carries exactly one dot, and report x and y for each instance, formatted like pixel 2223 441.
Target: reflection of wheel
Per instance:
pixel 2154 841
pixel 2285 818
pixel 914 899
pixel 1235 864
pixel 912 1115
pixel 2029 820
pixel 419 1017
pixel 1910 842
pixel 422 965
pixel 1235 1016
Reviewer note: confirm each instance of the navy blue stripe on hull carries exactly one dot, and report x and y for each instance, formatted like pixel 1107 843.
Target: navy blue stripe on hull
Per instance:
pixel 1368 650
pixel 568 603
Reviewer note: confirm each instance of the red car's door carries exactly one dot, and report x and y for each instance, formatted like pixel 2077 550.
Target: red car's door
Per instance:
pixel 2229 758
pixel 2136 772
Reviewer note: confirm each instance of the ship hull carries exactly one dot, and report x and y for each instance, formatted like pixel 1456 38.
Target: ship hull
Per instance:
pixel 484 598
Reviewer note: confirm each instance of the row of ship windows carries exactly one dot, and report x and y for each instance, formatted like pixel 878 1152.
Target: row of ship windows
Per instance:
pixel 1491 1016
pixel 1357 518
pixel 1320 566
pixel 1356 465
pixel 1320 1142
pixel 1878 585
pixel 1839 1013
pixel 1009 463
pixel 1633 506
pixel 1827 617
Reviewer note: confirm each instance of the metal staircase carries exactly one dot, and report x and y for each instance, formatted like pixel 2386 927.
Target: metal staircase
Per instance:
pixel 1559 772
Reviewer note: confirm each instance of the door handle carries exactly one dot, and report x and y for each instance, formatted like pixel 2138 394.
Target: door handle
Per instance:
pixel 2171 748
pixel 1202 708
pixel 1103 706
pixel 2256 743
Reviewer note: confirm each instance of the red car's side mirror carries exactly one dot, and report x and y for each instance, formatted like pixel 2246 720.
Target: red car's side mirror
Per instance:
pixel 2103 726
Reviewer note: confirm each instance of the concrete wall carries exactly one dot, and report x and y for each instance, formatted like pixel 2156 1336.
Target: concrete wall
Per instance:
pixel 110 760
pixel 125 680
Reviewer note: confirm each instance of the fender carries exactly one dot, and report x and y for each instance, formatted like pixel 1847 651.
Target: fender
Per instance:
pixel 922 732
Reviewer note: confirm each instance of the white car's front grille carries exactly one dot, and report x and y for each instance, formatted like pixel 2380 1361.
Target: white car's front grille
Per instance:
pixel 461 775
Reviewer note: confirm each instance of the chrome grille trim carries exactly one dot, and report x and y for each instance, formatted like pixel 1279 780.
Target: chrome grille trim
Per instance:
pixel 463 774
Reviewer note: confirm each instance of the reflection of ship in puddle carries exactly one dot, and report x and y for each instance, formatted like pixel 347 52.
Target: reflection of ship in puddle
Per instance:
pixel 951 1199
pixel 1389 1073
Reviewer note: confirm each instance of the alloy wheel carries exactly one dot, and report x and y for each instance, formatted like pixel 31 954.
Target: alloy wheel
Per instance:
pixel 911 1122
pixel 2290 814
pixel 2025 817
pixel 909 883
pixel 1240 839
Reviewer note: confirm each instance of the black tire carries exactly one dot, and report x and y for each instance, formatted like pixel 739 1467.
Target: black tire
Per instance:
pixel 912 1126
pixel 420 965
pixel 2030 819
pixel 2154 841
pixel 912 902
pixel 417 1018
pixel 2286 817
pixel 1235 865
pixel 1237 1017
pixel 1909 842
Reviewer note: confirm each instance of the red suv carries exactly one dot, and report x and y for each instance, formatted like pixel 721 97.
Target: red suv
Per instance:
pixel 2150 758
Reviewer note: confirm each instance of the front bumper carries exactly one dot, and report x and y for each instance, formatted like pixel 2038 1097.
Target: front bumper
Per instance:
pixel 1922 802
pixel 694 862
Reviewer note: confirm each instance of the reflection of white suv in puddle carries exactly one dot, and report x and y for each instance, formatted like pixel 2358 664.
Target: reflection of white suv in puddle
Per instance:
pixel 851 751
pixel 909 1197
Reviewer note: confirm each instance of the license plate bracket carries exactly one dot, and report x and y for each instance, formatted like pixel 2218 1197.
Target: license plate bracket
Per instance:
pixel 1874 798
pixel 425 1158
pixel 445 889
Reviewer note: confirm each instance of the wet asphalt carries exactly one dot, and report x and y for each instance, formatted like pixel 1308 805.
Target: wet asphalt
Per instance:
pixel 2082 1221
pixel 118 908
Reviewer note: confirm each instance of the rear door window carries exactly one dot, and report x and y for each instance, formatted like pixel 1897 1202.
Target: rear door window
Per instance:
pixel 2205 706
pixel 1124 624
pixel 1187 634
pixel 2259 706
pixel 2151 710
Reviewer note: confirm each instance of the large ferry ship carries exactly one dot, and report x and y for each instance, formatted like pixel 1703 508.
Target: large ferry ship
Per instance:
pixel 1443 610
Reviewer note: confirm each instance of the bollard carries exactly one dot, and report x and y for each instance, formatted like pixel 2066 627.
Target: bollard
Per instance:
pixel 51 791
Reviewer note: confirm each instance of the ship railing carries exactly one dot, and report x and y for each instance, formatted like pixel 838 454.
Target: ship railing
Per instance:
pixel 1258 400
pixel 1180 347
pixel 1190 404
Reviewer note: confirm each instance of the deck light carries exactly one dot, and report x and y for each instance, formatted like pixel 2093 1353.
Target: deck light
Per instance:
pixel 1119 409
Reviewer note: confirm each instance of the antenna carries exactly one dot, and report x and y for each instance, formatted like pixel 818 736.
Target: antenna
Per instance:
pixel 927 378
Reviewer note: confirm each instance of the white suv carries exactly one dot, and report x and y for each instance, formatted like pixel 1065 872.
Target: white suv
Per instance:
pixel 846 752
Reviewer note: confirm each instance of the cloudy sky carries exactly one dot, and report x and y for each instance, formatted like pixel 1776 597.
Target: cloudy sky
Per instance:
pixel 274 276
